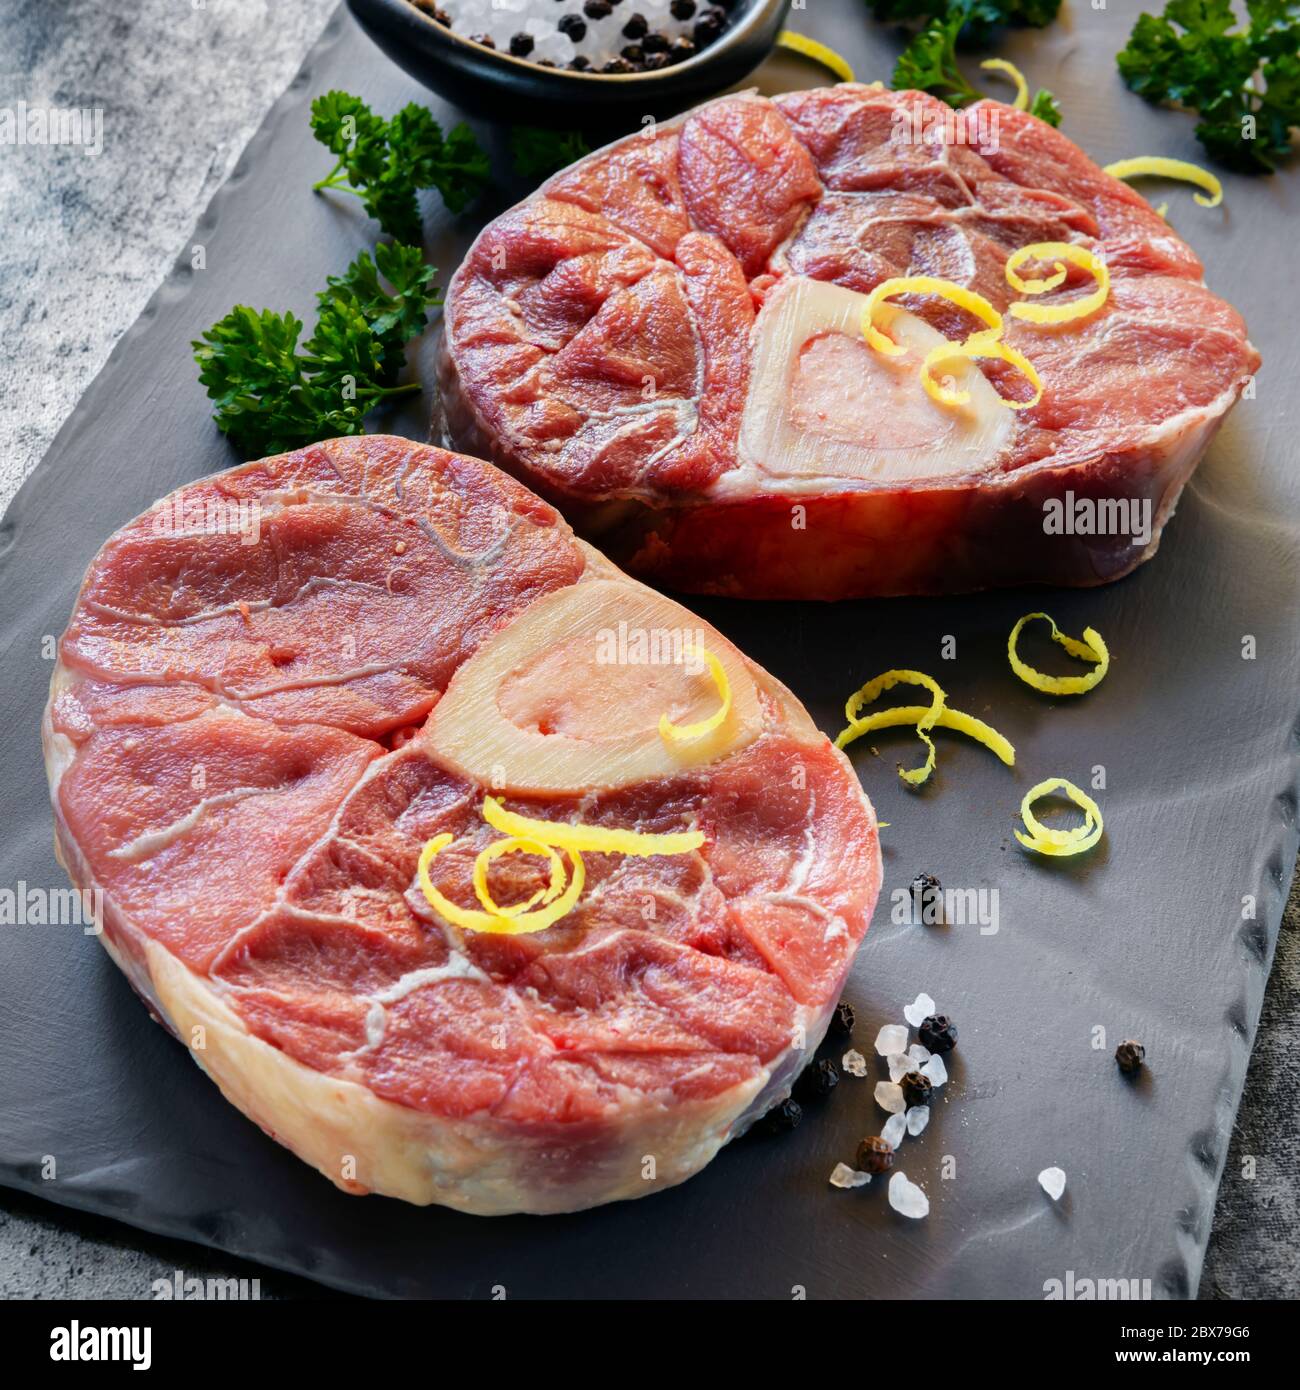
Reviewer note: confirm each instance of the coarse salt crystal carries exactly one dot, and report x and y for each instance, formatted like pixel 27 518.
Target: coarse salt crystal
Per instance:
pixel 916 1013
pixel 892 1038
pixel 854 1062
pixel 919 1054
pixel 844 1176
pixel 906 1198
pixel 1052 1181
pixel 936 1071
pixel 899 1065
pixel 555 48
pixel 889 1096
pixel 895 1128
pixel 917 1119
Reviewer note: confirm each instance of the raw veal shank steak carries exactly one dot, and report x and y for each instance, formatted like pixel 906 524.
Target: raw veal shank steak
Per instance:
pixel 664 341
pixel 284 680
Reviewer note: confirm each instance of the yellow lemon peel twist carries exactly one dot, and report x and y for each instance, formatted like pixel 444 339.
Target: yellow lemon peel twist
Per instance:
pixel 1059 843
pixel 517 844
pixel 1091 648
pixel 1159 167
pixel 985 343
pixel 926 284
pixel 818 52
pixel 1056 251
pixel 900 716
pixel 936 715
pixel 500 922
pixel 979 346
pixel 688 733
pixel 598 839
pixel 1008 69
pixel 528 835
pixel 873 690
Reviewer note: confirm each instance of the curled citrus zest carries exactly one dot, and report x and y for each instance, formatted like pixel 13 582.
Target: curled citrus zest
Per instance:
pixel 1061 843
pixel 596 838
pixel 1021 286
pixel 1092 648
pixel 1057 251
pixel 1040 250
pixel 1160 167
pixel 927 719
pixel 818 52
pixel 900 715
pixel 497 923
pixel 688 733
pixel 926 284
pixel 1010 70
pixel 527 835
pixel 978 346
pixel 517 844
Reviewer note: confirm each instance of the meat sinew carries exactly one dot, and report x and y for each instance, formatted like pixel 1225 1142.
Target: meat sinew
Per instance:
pixel 283 681
pixel 665 340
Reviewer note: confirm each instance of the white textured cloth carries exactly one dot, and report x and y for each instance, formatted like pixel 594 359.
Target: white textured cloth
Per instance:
pixel 182 85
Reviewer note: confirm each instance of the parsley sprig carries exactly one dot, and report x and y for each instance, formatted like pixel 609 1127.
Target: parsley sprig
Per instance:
pixel 537 153
pixel 982 17
pixel 929 63
pixel 272 396
pixel 1243 82
pixel 1046 107
pixel 386 162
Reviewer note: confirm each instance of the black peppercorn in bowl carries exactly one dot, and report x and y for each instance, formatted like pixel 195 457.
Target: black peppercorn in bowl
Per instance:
pixel 506 85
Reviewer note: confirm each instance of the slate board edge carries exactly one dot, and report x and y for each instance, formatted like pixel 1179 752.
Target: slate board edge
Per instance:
pixel 1277 862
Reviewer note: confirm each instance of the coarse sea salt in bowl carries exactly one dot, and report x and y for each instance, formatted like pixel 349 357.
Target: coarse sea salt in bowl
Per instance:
pixel 501 85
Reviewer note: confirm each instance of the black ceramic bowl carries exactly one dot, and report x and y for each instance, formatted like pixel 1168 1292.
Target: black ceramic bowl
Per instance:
pixel 487 83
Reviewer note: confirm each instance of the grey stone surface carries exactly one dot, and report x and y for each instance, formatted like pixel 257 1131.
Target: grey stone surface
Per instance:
pixel 87 238
pixel 182 84
pixel 1253 1246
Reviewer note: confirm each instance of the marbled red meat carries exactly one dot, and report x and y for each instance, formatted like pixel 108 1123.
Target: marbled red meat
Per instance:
pixel 246 758
pixel 604 342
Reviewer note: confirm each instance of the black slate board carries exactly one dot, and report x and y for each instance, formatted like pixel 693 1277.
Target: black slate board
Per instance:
pixel 1144 937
